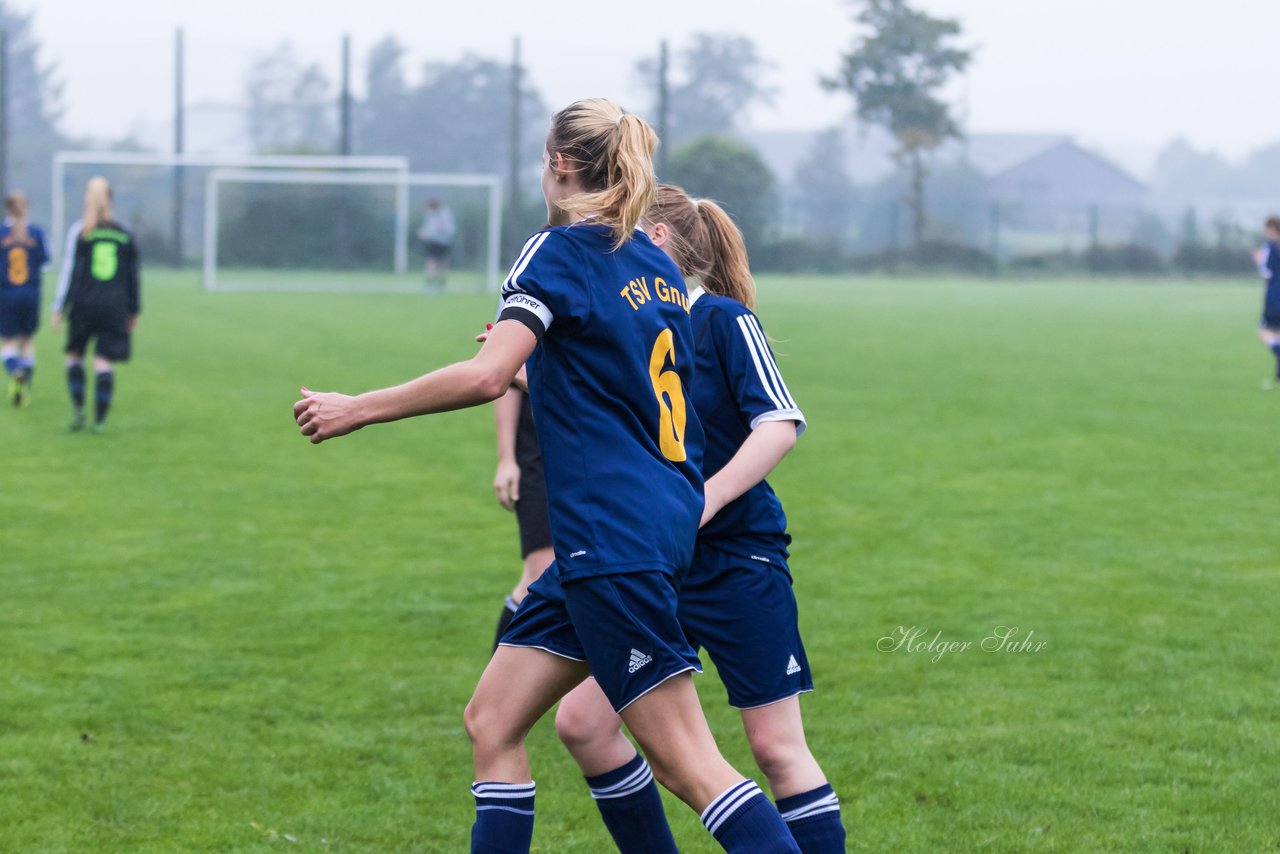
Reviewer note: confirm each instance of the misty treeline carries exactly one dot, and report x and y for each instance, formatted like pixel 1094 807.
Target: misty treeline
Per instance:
pixel 931 209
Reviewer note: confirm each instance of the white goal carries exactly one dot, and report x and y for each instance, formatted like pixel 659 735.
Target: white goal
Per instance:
pixel 320 230
pixel 159 195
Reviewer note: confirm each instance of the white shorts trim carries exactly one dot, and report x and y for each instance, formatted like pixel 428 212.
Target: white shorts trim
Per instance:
pixel 694 668
pixel 771 702
pixel 544 649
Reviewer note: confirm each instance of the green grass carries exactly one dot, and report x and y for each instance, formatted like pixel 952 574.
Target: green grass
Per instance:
pixel 216 637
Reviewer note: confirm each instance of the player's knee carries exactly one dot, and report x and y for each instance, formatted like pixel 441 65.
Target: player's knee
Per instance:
pixel 777 753
pixel 482 723
pixel 579 728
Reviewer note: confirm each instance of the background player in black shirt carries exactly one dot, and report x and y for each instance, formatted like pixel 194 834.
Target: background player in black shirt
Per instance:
pixel 101 298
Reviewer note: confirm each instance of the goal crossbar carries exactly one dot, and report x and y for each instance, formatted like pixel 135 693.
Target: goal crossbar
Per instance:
pixel 401 181
pixel 351 163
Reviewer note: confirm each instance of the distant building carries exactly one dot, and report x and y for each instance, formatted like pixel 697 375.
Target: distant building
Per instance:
pixel 1059 184
pixel 1040 181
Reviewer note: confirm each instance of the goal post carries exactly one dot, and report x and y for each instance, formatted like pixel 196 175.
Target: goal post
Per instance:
pixel 356 164
pixel 399 183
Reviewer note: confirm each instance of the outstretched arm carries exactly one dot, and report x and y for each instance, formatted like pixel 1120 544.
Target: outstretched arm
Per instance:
pixel 757 456
pixel 480 379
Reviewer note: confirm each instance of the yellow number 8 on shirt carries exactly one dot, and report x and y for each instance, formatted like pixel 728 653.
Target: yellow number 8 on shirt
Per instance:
pixel 19 272
pixel 670 394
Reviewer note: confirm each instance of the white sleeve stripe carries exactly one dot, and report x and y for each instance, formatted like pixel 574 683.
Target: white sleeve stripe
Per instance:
pixel 754 324
pixel 526 256
pixel 1264 262
pixel 67 260
pixel 755 357
pixel 524 250
pixel 751 328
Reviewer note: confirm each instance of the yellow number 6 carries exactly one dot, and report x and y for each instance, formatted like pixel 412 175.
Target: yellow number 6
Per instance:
pixel 667 387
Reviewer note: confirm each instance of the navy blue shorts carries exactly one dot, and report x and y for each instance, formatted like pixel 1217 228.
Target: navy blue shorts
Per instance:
pixel 624 626
pixel 744 613
pixel 19 312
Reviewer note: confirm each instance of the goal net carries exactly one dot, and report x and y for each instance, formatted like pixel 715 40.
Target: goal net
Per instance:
pixel 161 196
pixel 313 230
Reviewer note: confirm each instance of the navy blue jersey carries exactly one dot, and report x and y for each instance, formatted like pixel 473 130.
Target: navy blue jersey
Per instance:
pixel 738 387
pixel 622 450
pixel 1269 268
pixel 22 260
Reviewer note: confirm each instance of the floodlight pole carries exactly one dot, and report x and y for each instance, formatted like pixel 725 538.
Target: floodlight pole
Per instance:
pixel 516 104
pixel 179 121
pixel 344 105
pixel 4 111
pixel 664 108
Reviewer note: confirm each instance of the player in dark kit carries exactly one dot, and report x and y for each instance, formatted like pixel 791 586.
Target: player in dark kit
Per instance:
pixel 23 257
pixel 101 296
pixel 600 315
pixel 736 598
pixel 1267 258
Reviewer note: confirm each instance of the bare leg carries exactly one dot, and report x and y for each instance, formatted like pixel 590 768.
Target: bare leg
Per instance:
pixel 516 689
pixel 776 735
pixel 672 730
pixel 592 731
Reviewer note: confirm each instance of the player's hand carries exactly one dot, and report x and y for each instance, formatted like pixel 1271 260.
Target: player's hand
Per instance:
pixel 133 322
pixel 484 336
pixel 521 380
pixel 326 414
pixel 56 320
pixel 506 483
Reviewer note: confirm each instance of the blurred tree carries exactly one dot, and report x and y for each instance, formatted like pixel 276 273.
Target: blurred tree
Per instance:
pixel 719 80
pixel 291 106
pixel 463 121
pixel 35 108
pixel 1186 176
pixel 895 74
pixel 957 209
pixel 732 173
pixel 825 189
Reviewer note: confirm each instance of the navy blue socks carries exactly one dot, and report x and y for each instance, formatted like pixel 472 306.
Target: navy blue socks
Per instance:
pixel 743 820
pixel 814 820
pixel 103 387
pixel 504 818
pixel 75 384
pixel 631 807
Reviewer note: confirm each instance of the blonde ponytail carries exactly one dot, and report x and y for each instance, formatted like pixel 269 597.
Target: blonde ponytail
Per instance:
pixel 704 243
pixel 611 152
pixel 730 270
pixel 97 205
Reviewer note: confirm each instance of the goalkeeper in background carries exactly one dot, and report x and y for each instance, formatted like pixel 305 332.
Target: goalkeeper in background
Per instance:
pixel 436 234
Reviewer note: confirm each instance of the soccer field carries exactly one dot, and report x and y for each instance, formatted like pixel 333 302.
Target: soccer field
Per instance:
pixel 217 637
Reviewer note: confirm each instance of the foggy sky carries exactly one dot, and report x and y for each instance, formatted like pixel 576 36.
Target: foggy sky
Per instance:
pixel 1127 76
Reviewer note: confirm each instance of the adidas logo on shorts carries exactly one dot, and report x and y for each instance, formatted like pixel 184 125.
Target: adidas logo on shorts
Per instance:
pixel 793 666
pixel 638 660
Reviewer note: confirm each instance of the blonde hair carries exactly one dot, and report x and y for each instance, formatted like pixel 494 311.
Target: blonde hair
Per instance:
pixel 15 205
pixel 97 204
pixel 611 152
pixel 705 243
